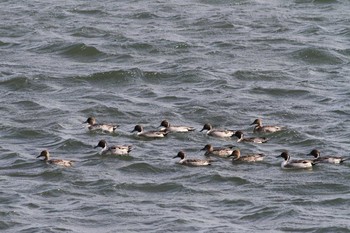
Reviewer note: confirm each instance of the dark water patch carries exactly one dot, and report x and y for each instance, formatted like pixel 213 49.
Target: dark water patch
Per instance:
pixel 4 44
pixel 90 32
pixel 143 168
pixel 235 203
pixel 279 92
pixel 51 173
pixel 89 12
pixel 113 77
pixel 28 133
pixel 345 52
pixel 82 52
pixel 140 46
pixel 181 45
pixel 167 187
pixel 231 179
pixel 70 144
pixel 261 75
pixel 19 167
pixel 257 214
pixel 17 83
pixel 317 56
pixel 334 202
pixel 145 15
pixel 53 193
pixel 325 1
pixel 173 99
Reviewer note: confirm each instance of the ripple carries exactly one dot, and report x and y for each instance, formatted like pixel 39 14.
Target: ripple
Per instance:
pixel 90 32
pixel 82 52
pixel 143 168
pixel 317 56
pixel 152 187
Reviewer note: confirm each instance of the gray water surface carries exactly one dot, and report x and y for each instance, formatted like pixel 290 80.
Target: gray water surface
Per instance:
pixel 191 62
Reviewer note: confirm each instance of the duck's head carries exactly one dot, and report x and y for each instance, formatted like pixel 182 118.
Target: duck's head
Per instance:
pixel 45 154
pixel 207 126
pixel 90 121
pixel 137 128
pixel 101 143
pixel 207 147
pixel 284 155
pixel 316 153
pixel 236 154
pixel 239 134
pixel 180 155
pixel 257 122
pixel 165 124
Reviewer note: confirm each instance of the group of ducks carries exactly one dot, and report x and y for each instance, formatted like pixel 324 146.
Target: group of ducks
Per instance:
pixel 223 152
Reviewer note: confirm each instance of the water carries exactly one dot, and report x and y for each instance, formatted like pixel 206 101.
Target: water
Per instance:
pixel 191 62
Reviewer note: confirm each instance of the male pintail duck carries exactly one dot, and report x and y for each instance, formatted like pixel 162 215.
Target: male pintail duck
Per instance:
pixel 113 150
pixel 191 162
pixel 149 134
pixel 103 127
pixel 259 128
pixel 241 138
pixel 174 128
pixel 223 152
pixel 221 133
pixel 61 162
pixel 236 154
pixel 294 163
pixel 326 159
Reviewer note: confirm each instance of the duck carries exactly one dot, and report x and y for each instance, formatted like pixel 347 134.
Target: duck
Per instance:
pixel 236 154
pixel 149 134
pixel 259 128
pixel 114 149
pixel 222 152
pixel 174 128
pixel 221 133
pixel 60 162
pixel 326 159
pixel 295 163
pixel 191 162
pixel 93 126
pixel 241 138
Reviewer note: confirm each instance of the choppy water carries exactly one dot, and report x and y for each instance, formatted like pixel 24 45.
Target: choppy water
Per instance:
pixel 191 62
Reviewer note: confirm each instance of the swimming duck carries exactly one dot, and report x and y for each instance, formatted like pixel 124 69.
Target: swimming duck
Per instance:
pixel 113 150
pixel 294 163
pixel 259 128
pixel 173 128
pixel 103 127
pixel 149 134
pixel 191 162
pixel 223 152
pixel 61 162
pixel 241 138
pixel 221 133
pixel 326 159
pixel 236 154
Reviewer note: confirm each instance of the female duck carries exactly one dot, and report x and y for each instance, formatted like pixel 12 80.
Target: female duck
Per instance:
pixel 259 128
pixel 149 134
pixel 103 127
pixel 113 150
pixel 294 163
pixel 236 154
pixel 221 133
pixel 61 162
pixel 223 152
pixel 174 128
pixel 241 138
pixel 326 159
pixel 191 162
